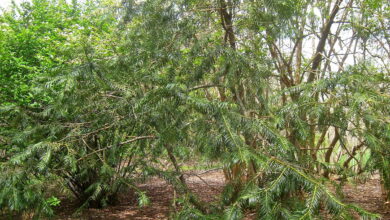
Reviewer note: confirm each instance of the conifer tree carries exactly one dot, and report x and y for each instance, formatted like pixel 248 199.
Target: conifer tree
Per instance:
pixel 106 90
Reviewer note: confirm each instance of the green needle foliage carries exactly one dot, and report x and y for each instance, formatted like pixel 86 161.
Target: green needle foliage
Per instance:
pixel 96 95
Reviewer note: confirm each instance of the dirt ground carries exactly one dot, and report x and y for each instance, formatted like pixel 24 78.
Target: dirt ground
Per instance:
pixel 369 196
pixel 208 185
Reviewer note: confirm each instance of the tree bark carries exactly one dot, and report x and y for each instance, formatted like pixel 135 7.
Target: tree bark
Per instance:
pixel 328 153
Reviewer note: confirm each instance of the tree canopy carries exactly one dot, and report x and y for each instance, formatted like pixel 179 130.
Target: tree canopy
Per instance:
pixel 282 94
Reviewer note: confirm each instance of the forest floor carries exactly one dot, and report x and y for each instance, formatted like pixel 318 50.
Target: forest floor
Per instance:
pixel 208 185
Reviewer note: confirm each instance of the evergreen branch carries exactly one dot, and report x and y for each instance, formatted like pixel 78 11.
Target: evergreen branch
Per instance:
pixel 119 144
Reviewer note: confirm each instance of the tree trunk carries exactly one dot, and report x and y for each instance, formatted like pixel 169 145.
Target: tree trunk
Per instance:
pixel 329 152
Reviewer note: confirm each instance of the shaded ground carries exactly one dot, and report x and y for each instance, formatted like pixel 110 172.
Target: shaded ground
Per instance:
pixel 208 185
pixel 368 196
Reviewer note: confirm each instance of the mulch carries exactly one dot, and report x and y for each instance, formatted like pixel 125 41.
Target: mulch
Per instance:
pixel 207 186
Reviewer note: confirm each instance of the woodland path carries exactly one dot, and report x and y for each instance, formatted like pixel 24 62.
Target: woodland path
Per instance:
pixel 367 195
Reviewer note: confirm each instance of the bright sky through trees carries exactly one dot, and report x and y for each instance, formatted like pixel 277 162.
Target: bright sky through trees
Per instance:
pixel 7 3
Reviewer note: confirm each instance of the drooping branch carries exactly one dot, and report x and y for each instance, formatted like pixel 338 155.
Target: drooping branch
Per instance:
pixel 204 87
pixel 120 144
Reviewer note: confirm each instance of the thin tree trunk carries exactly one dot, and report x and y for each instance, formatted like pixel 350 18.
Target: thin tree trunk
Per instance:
pixel 329 152
pixel 192 198
pixel 352 156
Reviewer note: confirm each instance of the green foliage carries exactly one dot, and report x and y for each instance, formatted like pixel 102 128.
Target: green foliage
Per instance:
pixel 98 94
pixel 53 201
